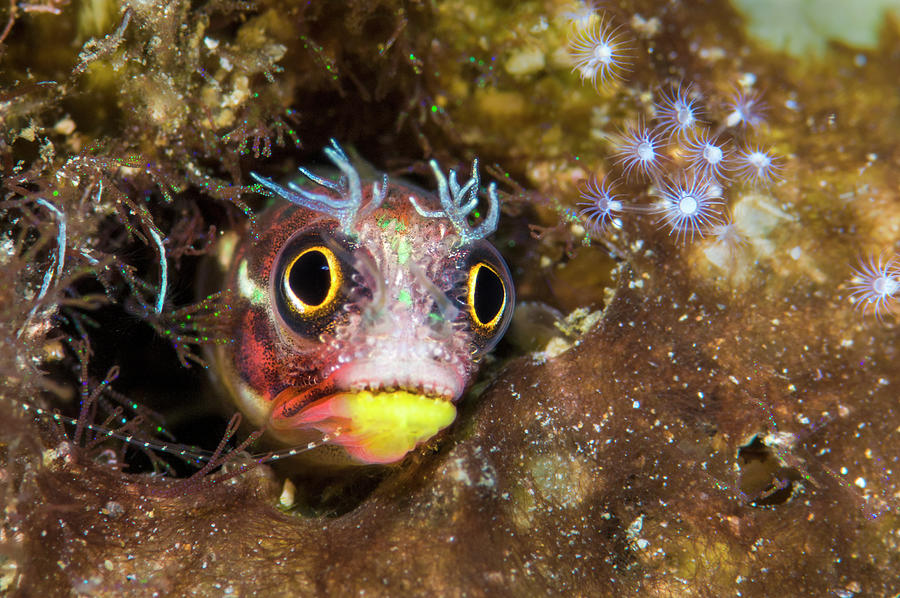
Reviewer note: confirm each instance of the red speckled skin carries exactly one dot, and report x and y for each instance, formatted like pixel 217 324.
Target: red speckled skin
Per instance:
pixel 258 356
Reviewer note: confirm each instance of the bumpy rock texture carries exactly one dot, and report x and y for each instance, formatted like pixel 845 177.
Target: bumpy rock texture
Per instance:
pixel 715 423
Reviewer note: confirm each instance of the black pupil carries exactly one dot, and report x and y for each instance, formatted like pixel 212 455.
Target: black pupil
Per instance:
pixel 489 294
pixel 310 278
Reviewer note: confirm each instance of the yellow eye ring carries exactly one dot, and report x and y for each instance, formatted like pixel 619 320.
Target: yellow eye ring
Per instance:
pixel 487 300
pixel 311 281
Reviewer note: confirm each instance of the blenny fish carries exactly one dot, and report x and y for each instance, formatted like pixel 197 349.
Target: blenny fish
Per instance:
pixel 362 309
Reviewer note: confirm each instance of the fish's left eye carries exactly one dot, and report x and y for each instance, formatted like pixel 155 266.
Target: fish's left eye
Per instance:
pixel 486 297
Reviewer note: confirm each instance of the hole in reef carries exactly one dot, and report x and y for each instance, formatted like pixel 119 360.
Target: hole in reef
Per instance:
pixel 764 478
pixel 320 493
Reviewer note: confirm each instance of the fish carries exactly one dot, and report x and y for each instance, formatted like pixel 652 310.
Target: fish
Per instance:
pixel 361 310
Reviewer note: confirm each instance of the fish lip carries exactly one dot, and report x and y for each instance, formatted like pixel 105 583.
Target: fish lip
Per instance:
pixel 376 414
pixel 434 382
pixel 431 380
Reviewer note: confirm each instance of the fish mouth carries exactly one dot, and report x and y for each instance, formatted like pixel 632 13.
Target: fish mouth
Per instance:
pixel 375 423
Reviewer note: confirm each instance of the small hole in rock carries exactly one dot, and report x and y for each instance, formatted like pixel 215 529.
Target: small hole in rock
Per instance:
pixel 764 478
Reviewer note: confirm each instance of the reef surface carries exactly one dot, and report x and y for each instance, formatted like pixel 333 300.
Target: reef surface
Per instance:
pixel 713 416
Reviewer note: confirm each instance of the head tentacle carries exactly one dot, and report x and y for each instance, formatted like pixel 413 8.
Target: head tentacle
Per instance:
pixel 348 209
pixel 459 201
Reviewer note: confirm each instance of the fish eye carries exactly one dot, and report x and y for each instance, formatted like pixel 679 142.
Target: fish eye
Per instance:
pixel 486 297
pixel 311 281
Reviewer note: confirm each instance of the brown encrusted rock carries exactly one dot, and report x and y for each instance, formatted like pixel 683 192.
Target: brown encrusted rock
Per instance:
pixel 606 470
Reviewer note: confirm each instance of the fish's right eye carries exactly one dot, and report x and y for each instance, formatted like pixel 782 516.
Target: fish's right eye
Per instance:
pixel 309 283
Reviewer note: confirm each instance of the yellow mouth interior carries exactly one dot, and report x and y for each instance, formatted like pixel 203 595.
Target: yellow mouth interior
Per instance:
pixel 379 427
